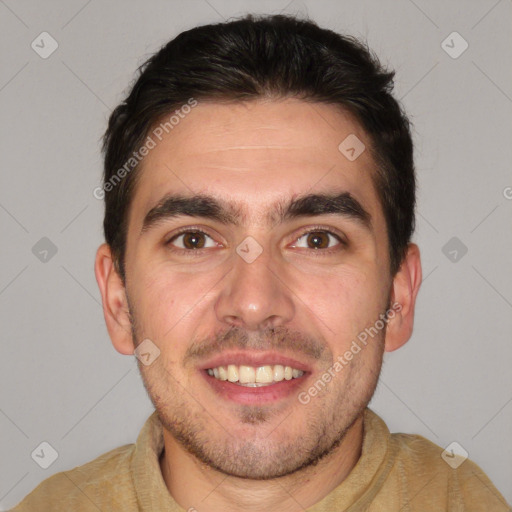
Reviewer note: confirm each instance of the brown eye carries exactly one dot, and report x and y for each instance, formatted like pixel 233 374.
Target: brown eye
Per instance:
pixel 317 240
pixel 191 240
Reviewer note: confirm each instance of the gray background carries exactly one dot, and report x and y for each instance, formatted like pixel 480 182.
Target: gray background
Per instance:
pixel 62 382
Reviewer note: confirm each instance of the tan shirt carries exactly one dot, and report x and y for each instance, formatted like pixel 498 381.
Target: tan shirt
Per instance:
pixel 396 472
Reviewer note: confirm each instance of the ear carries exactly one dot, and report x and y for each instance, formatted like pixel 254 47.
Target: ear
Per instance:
pixel 115 304
pixel 406 285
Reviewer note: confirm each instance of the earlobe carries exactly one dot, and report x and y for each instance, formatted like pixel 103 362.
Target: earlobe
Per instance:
pixel 115 304
pixel 406 285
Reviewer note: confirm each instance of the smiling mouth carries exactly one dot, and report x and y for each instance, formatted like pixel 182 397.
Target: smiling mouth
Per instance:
pixel 254 376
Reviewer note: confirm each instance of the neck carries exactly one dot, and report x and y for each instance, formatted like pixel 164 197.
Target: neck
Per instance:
pixel 196 486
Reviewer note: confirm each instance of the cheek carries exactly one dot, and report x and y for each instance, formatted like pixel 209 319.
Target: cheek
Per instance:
pixel 346 302
pixel 168 302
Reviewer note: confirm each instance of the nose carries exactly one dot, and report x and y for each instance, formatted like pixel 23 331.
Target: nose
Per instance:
pixel 255 296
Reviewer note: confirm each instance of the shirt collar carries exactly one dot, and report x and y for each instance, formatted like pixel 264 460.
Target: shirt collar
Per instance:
pixel 152 493
pixel 357 490
pixel 365 480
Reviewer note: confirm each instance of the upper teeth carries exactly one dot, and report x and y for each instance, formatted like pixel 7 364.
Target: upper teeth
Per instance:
pixel 255 375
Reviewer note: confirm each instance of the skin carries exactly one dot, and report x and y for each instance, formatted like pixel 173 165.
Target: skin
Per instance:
pixel 279 455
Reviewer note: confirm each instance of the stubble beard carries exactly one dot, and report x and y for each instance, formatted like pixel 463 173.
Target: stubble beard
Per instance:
pixel 276 454
pixel 211 441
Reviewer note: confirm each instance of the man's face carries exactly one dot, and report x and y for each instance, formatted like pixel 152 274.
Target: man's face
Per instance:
pixel 296 293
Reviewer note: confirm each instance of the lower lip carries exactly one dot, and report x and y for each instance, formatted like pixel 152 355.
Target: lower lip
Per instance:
pixel 257 395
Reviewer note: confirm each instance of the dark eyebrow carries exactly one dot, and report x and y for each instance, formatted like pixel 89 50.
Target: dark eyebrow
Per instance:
pixel 343 204
pixel 204 206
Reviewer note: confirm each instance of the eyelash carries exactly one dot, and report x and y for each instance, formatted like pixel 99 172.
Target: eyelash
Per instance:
pixel 199 252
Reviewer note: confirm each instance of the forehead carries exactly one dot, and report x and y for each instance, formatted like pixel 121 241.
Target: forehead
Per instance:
pixel 255 154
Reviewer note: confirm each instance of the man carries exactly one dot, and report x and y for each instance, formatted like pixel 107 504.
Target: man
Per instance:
pixel 259 189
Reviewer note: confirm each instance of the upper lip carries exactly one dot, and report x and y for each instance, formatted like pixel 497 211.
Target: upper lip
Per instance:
pixel 255 359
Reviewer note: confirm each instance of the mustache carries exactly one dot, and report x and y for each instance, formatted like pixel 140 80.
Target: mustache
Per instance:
pixel 278 338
